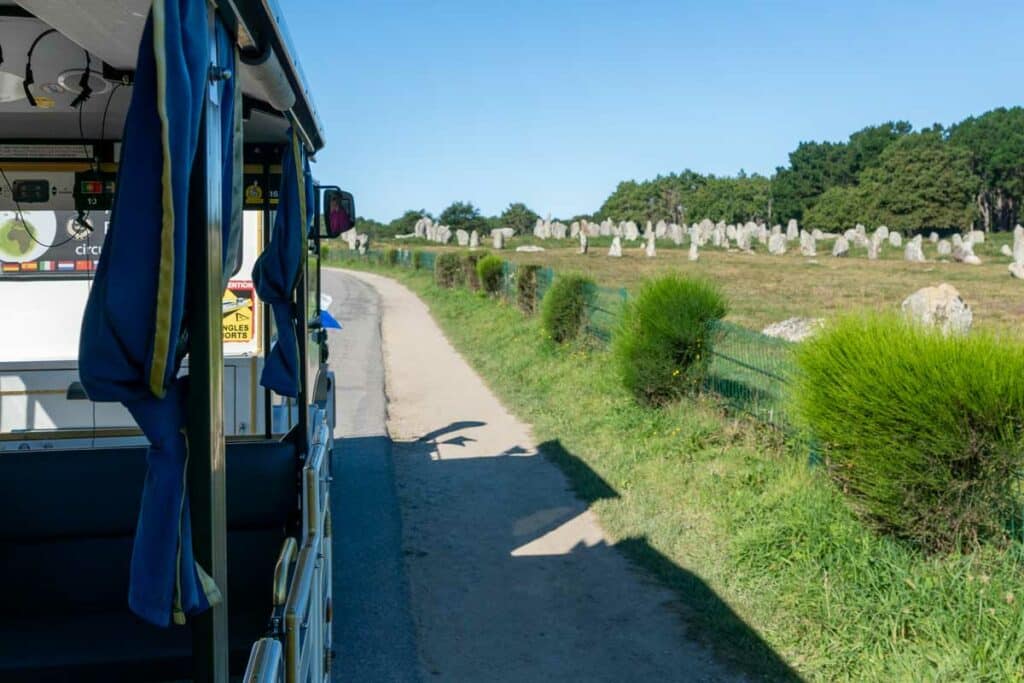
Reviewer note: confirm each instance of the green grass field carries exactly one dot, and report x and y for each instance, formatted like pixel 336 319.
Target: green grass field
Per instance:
pixel 763 289
pixel 719 498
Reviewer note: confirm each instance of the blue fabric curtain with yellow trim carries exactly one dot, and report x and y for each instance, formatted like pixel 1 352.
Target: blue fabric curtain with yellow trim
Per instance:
pixel 277 270
pixel 131 331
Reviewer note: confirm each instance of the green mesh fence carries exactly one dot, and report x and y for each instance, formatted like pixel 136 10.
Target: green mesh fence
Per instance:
pixel 751 372
pixel 603 311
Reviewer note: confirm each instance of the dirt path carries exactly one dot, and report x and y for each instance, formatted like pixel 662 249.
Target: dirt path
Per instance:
pixel 510 576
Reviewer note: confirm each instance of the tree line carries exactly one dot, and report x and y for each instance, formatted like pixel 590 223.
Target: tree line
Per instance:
pixel 967 175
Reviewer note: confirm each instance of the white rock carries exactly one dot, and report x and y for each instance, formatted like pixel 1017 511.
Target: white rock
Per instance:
pixel 794 329
pixel 896 239
pixel 807 245
pixel 694 253
pixel 498 239
pixel 1017 270
pixel 792 230
pixel 977 236
pixel 841 247
pixel 1005 250
pixel 661 229
pixel 616 249
pixel 462 237
pixel 941 307
pixel 944 248
pixel 584 242
pixel 474 240
pixel 933 237
pixel 529 248
pixel 776 245
pixel 913 251
pixel 649 250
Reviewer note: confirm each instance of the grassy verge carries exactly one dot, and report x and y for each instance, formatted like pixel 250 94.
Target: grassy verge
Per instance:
pixel 723 500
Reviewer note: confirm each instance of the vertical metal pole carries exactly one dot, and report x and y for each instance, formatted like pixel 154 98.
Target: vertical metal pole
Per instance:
pixel 206 474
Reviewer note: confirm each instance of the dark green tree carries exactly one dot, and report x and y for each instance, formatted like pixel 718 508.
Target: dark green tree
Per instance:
pixel 518 216
pixel 463 215
pixel 995 141
pixel 922 182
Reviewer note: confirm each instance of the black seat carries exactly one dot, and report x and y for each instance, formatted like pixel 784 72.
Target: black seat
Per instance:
pixel 67 518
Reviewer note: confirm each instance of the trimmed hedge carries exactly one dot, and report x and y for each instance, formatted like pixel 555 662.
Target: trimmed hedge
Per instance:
pixel 391 256
pixel 923 433
pixel 489 271
pixel 662 344
pixel 448 269
pixel 564 309
pixel 469 261
pixel 417 259
pixel 526 287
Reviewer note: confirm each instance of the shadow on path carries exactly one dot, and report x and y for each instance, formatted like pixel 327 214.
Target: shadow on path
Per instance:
pixel 509 581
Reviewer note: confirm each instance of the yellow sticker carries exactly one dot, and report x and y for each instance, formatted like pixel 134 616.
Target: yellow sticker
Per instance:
pixel 237 312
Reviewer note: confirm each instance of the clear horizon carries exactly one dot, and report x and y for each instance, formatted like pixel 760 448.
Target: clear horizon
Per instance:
pixel 554 103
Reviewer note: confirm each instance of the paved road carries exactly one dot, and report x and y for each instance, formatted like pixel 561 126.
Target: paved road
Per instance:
pixel 373 629
pixel 505 574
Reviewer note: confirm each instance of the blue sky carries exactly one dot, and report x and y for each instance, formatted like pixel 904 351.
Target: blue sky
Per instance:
pixel 554 102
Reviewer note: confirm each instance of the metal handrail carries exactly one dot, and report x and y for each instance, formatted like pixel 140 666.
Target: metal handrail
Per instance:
pixel 265 662
pixel 289 549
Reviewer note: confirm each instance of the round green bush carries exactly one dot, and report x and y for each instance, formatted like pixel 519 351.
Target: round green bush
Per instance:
pixel 662 344
pixel 526 287
pixel 448 270
pixel 564 309
pixel 923 433
pixel 490 271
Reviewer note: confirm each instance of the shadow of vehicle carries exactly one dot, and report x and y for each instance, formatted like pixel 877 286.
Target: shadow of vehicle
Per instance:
pixel 503 566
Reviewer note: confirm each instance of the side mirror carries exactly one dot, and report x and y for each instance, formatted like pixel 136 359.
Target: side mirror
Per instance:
pixel 339 212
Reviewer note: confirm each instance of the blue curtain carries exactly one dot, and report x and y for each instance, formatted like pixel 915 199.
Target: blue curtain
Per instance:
pixel 277 269
pixel 129 350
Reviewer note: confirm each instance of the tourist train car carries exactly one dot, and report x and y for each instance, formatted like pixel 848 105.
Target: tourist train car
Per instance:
pixel 166 409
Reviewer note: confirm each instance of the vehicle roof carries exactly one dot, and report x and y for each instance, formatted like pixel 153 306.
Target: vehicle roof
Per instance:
pixel 110 31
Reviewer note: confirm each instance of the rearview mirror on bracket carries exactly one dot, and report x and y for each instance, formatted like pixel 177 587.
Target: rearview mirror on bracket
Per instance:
pixel 339 211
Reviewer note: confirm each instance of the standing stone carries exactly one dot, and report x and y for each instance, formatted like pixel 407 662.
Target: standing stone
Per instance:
pixel 776 245
pixel 584 242
pixel 873 248
pixel 364 243
pixel 792 230
pixel 474 240
pixel 958 240
pixel 574 230
pixel 1018 244
pixel 940 307
pixel 462 236
pixel 498 239
pixel 630 231
pixel 743 240
pixel 896 239
pixel 1005 250
pixel 880 234
pixel 913 251
pixel 730 232
pixel 661 229
pixel 559 230
pixel 649 251
pixel 933 237
pixel 676 234
pixel 965 254
pixel 616 249
pixel 977 236
pixel 807 246
pixel 694 253
pixel 944 248
pixel 1017 267
pixel 841 247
